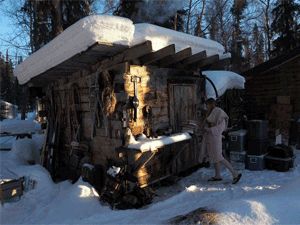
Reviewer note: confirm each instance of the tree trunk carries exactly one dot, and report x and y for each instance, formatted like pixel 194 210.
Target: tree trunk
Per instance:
pixel 188 17
pixel 56 17
pixel 200 32
pixel 24 101
pixel 268 30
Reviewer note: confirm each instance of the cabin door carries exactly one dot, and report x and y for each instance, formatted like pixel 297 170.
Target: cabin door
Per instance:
pixel 182 104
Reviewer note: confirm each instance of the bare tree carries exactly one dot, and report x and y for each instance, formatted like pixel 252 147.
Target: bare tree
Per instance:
pixel 199 22
pixel 187 29
pixel 219 21
pixel 266 9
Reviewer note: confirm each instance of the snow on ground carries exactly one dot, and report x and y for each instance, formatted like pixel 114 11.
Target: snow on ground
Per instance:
pixel 19 126
pixel 261 197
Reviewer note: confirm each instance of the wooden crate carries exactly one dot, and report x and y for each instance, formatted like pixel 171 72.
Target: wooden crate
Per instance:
pixel 11 189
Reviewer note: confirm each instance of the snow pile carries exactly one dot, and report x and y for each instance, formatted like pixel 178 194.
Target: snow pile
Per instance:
pixel 162 37
pixel 280 206
pixel 19 126
pixel 26 149
pixel 147 144
pixel 223 80
pixel 47 202
pixel 261 197
pixel 6 142
pixel 108 31
pixel 77 38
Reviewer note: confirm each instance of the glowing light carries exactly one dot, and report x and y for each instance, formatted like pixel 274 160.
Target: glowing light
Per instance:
pixel 85 191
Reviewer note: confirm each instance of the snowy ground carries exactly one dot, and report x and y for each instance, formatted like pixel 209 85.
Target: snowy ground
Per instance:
pixel 263 197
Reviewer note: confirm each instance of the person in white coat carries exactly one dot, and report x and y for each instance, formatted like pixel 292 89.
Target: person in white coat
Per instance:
pixel 215 124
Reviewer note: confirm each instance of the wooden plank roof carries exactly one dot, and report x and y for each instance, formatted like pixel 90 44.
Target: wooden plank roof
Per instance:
pixel 273 63
pixel 110 55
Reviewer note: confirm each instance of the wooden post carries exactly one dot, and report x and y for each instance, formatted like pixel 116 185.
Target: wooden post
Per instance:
pixel 24 101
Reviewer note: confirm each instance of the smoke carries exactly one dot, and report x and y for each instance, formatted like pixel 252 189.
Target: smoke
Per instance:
pixel 157 11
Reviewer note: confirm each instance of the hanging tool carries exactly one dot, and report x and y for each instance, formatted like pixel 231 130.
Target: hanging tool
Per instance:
pixel 96 105
pixel 135 100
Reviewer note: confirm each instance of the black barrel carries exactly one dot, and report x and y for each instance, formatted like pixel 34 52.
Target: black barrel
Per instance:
pixel 257 129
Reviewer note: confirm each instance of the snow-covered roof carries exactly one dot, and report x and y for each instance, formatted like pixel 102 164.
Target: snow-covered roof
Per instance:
pixel 110 33
pixel 161 37
pixel 77 38
pixel 223 81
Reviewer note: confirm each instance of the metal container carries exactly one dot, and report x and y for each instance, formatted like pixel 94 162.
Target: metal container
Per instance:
pixel 279 164
pixel 257 129
pixel 257 147
pixel 238 165
pixel 237 140
pixel 255 162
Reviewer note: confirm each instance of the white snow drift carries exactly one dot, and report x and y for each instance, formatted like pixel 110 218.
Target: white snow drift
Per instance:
pixel 108 31
pixel 261 197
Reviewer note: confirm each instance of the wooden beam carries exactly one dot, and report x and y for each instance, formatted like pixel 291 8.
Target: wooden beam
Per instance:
pixel 155 56
pixel 220 64
pixel 207 61
pixel 194 58
pixel 74 63
pixel 128 54
pixel 84 60
pixel 179 56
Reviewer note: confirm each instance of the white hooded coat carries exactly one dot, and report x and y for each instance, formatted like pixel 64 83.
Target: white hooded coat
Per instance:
pixel 212 138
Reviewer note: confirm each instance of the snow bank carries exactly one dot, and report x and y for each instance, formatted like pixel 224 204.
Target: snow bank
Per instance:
pixel 162 37
pixel 19 126
pixel 6 142
pixel 108 30
pixel 261 197
pixel 223 80
pixel 27 149
pixel 75 39
pixel 281 206
pixel 146 144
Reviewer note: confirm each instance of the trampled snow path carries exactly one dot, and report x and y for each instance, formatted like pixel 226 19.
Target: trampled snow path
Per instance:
pixel 263 197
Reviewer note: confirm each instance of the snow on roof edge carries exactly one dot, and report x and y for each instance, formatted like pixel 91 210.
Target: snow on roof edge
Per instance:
pixel 161 37
pixel 111 30
pixel 223 81
pixel 75 39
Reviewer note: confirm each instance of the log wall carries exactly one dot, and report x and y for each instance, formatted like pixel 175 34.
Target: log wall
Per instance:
pixel 262 89
pixel 153 90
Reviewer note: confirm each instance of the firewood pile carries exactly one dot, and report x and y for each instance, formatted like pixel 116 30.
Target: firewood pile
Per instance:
pixel 116 186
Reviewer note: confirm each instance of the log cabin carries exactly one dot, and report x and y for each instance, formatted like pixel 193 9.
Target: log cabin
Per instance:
pixel 122 98
pixel 273 93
